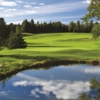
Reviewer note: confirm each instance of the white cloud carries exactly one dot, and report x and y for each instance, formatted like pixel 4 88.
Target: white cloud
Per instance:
pixel 36 90
pixel 62 89
pixel 7 3
pixel 17 13
pixel 86 1
pixel 94 70
pixel 87 70
pixel 15 22
pixel 31 12
pixel 33 3
pixel 27 6
pixel 42 4
pixel 3 93
pixel 13 9
pixel 60 7
pixel 9 10
pixel 1 8
pixel 36 7
pixel 19 1
pixel 48 18
pixel 47 9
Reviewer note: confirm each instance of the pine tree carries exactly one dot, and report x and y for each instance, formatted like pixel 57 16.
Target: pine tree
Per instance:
pixel 3 28
pixel 3 32
pixel 25 27
pixel 72 26
pixel 16 39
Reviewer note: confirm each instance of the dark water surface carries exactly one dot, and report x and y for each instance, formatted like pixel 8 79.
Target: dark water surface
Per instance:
pixel 57 83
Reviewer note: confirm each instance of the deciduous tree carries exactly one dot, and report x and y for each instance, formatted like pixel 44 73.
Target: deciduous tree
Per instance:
pixel 93 13
pixel 96 31
pixel 93 10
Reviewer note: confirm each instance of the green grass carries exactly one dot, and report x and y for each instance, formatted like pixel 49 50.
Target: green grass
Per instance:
pixel 55 46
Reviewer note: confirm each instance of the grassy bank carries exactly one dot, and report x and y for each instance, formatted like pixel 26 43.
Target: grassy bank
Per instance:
pixel 57 46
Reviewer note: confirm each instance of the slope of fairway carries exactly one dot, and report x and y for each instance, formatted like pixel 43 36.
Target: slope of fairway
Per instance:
pixel 56 46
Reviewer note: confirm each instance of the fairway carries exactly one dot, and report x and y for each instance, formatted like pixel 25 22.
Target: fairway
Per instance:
pixel 55 46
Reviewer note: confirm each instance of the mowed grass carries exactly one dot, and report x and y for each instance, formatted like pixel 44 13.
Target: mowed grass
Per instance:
pixel 55 46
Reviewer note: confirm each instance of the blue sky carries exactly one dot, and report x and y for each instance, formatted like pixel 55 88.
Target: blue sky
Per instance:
pixel 43 10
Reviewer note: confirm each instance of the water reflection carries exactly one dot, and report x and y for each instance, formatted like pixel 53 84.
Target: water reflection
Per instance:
pixel 56 83
pixel 62 89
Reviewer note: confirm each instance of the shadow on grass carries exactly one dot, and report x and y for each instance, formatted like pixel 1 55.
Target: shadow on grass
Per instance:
pixel 34 43
pixel 37 58
pixel 50 46
pixel 79 39
pixel 87 53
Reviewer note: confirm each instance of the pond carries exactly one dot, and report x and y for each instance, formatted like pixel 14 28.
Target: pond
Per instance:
pixel 56 83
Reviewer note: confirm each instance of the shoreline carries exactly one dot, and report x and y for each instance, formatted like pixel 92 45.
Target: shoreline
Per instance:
pixel 46 64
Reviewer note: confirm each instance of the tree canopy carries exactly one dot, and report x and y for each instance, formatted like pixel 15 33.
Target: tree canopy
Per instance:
pixel 96 31
pixel 93 11
pixel 93 14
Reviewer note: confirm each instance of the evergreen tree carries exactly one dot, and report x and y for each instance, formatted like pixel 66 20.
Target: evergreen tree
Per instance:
pixel 72 26
pixel 83 97
pixel 25 27
pixel 16 39
pixel 11 27
pixel 78 26
pixel 1 44
pixel 32 26
pixel 3 28
pixel 3 32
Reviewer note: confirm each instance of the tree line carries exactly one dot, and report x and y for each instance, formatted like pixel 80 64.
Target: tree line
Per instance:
pixel 53 27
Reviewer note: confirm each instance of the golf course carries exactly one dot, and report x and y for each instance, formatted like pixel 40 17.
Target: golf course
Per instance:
pixel 50 50
pixel 50 46
pixel 56 45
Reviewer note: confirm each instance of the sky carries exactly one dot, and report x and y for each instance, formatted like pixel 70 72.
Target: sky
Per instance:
pixel 15 11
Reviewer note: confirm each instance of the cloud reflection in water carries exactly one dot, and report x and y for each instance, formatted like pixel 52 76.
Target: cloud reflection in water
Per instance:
pixel 3 93
pixel 95 70
pixel 62 89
